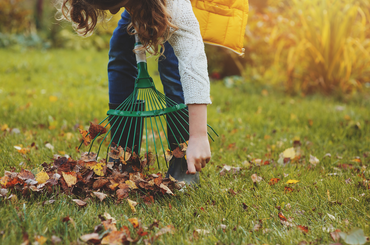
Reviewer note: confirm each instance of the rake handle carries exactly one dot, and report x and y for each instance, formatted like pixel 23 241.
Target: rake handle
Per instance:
pixel 139 51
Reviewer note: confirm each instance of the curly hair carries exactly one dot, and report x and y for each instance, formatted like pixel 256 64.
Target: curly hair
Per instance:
pixel 149 19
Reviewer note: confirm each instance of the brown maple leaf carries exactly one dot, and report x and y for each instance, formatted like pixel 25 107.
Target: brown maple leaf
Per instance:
pixel 100 183
pixel 96 129
pixel 178 153
pixel 122 193
pixel 26 174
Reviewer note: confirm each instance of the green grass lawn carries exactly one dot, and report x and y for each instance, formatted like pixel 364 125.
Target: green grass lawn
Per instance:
pixel 46 96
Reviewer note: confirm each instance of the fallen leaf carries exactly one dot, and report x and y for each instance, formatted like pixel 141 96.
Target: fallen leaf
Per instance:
pixel 4 127
pixel 100 183
pixel 256 179
pixel 48 202
pixel 42 177
pixel 96 129
pixel 131 184
pixel 93 238
pixel 164 230
pixel 288 189
pixel 178 153
pixel 282 217
pixel 355 236
pixel 134 222
pixel 109 225
pixel 40 239
pixel 149 200
pixel 88 156
pixel 100 195
pixel 168 155
pixel 313 160
pixel 202 232
pixel 86 139
pixel 70 178
pixel 49 146
pixel 80 202
pixel 132 205
pixel 98 169
pixel 141 232
pixel 331 216
pixel 335 235
pixel 3 192
pixel 184 146
pixel 292 181
pixel 116 152
pixel 348 181
pixel 231 169
pixel 114 238
pixel 303 228
pixel 164 187
pixel 274 181
pixel 109 217
pixel 257 227
pixel 289 153
pixel 55 239
pixel 125 157
pixel 25 175
pixel 122 193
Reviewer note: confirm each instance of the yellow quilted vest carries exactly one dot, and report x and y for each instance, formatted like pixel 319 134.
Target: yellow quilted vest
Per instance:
pixel 222 22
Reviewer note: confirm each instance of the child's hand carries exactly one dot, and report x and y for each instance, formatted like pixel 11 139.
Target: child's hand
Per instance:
pixel 198 153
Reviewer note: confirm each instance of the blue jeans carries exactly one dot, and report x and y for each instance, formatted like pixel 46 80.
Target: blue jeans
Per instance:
pixel 122 69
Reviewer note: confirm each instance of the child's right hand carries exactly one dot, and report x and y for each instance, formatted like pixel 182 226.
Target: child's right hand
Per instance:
pixel 198 153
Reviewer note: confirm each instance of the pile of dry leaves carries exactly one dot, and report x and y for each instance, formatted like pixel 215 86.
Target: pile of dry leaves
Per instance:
pixel 88 176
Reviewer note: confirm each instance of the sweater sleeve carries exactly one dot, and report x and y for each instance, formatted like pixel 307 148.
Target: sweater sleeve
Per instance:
pixel 188 46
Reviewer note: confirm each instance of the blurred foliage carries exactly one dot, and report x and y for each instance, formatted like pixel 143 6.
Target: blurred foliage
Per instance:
pixel 310 45
pixel 32 23
pixel 304 46
pixel 14 16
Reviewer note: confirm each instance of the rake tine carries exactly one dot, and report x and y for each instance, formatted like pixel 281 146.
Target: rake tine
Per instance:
pixel 160 139
pixel 151 125
pixel 141 131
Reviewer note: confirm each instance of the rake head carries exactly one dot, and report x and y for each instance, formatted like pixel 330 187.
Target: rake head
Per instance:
pixel 146 120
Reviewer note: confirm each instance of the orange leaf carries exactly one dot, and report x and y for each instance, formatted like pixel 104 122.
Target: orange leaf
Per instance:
pixel 141 232
pixel 86 138
pixel 134 222
pixel 9 183
pixel 288 189
pixel 303 228
pixel 282 217
pixel 113 238
pixel 274 181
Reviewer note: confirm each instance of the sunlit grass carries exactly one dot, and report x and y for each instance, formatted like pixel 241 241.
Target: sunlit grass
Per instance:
pixel 47 96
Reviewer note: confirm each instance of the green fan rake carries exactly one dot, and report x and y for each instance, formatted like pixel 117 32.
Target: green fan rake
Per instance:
pixel 145 114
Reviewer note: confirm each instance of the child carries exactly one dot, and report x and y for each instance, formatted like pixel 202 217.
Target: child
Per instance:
pixel 172 25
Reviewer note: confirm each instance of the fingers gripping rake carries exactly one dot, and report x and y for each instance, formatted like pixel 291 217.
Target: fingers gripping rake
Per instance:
pixel 145 114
